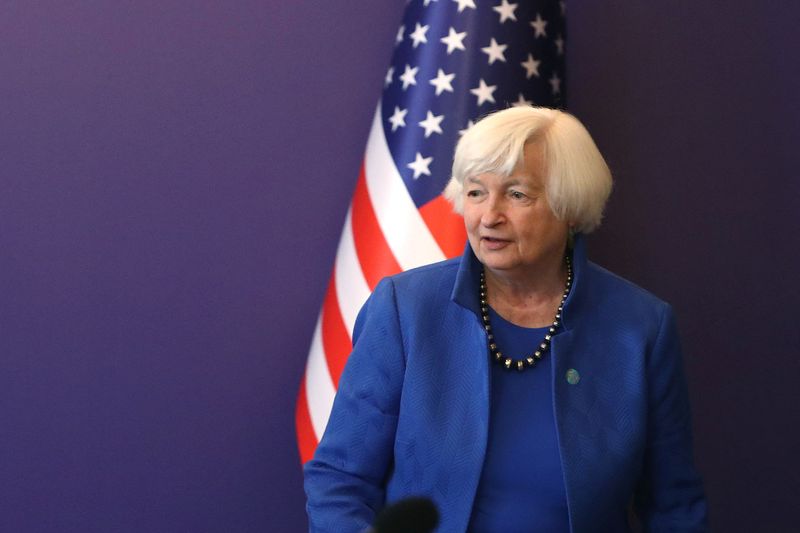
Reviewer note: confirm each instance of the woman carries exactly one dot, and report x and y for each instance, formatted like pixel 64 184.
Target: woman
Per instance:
pixel 520 387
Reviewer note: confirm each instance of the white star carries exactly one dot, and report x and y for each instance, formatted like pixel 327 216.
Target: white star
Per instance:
pixel 464 4
pixel 442 82
pixel 432 124
pixel 538 26
pixel 521 102
pixel 560 45
pixel 454 40
pixel 484 92
pixel 400 31
pixel 428 2
pixel 409 76
pixel 469 125
pixel 495 51
pixel 420 165
pixel 389 75
pixel 398 118
pixel 555 83
pixel 531 67
pixel 506 11
pixel 418 35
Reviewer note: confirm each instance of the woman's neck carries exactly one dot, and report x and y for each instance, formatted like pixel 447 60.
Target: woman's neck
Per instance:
pixel 531 299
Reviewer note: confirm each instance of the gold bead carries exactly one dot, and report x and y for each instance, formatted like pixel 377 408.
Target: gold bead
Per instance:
pixel 507 363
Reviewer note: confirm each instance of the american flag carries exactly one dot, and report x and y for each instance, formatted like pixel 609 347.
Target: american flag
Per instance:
pixel 454 61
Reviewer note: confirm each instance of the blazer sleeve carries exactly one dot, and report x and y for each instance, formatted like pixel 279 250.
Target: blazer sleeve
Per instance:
pixel 670 495
pixel 345 480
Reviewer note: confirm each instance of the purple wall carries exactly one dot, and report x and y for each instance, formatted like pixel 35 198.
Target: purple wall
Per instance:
pixel 173 179
pixel 698 113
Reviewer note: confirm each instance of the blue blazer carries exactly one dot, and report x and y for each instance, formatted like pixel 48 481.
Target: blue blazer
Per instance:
pixel 411 415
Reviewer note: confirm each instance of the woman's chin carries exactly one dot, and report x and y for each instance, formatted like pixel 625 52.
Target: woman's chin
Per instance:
pixel 497 264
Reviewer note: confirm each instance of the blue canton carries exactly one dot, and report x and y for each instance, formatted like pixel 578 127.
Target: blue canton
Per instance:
pixel 456 61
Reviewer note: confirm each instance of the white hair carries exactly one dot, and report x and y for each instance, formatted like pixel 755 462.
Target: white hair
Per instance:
pixel 577 180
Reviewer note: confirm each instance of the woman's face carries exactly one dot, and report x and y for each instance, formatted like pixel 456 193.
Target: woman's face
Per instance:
pixel 510 225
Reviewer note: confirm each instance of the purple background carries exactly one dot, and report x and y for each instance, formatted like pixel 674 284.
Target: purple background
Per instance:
pixel 173 180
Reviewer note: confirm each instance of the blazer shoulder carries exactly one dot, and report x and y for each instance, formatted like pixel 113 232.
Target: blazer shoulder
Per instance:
pixel 624 286
pixel 432 276
pixel 623 298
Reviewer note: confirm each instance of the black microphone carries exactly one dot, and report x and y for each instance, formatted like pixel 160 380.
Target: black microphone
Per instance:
pixel 409 515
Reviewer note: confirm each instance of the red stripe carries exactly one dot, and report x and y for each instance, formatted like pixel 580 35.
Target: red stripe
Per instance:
pixel 374 254
pixel 306 440
pixel 446 226
pixel 377 261
pixel 335 338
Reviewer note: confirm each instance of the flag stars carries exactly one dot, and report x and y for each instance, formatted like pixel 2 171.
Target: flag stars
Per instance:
pixel 506 11
pixel 454 40
pixel 538 26
pixel 560 45
pixel 555 83
pixel 420 165
pixel 443 82
pixel 484 92
pixel 400 31
pixel 389 77
pixel 469 125
pixel 522 102
pixel 432 124
pixel 398 118
pixel 418 35
pixel 495 51
pixel 463 4
pixel 409 76
pixel 531 67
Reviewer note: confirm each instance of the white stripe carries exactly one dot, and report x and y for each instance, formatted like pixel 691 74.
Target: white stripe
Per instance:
pixel 319 386
pixel 406 233
pixel 352 289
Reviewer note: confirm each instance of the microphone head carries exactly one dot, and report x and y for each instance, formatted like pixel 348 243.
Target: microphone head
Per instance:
pixel 409 515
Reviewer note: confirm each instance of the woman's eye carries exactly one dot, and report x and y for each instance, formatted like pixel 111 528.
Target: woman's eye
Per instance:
pixel 473 193
pixel 516 195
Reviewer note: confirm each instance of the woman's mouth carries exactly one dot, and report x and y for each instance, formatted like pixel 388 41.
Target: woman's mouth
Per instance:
pixel 493 243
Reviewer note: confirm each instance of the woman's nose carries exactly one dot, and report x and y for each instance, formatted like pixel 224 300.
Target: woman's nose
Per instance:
pixel 493 214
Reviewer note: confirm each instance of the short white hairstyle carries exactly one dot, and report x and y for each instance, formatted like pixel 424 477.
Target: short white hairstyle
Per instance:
pixel 577 179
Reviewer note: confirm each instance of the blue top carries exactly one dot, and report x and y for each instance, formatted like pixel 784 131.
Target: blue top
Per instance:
pixel 521 488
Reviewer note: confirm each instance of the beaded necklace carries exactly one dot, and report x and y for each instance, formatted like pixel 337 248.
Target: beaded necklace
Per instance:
pixel 530 361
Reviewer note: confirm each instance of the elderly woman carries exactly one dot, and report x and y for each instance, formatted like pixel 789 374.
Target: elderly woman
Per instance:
pixel 521 387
